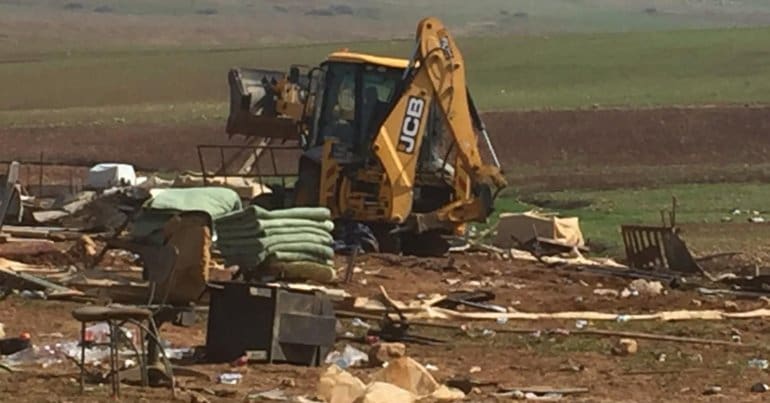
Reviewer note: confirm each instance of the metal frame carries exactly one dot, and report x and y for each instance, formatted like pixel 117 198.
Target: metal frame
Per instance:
pixel 653 248
pixel 257 150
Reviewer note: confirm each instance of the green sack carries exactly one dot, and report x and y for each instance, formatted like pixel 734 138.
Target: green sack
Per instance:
pixel 216 201
pixel 254 213
pixel 219 224
pixel 231 234
pixel 318 272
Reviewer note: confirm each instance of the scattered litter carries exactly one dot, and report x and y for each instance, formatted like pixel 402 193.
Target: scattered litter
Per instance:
pixel 2 330
pixel 629 293
pixel 625 347
pixel 452 281
pixel 757 219
pixel 54 335
pixel 54 354
pixel 548 397
pixel 474 370
pixel 502 320
pixel 580 323
pixel 383 392
pixel 606 292
pixel 28 294
pixel 230 378
pixel 382 353
pixel 758 363
pixel 357 322
pixel 760 387
pixel 179 353
pixel 647 288
pixel 339 386
pixel 544 393
pixel 713 390
pixel 270 395
pixel 488 333
pixel 622 318
pixel 350 357
pixel 731 306
pixel 408 374
pixel 662 357
pixel 431 367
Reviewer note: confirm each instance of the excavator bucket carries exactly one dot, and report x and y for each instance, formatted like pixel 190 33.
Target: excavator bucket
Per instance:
pixel 252 105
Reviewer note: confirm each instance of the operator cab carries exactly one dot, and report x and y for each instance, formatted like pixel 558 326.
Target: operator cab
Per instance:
pixel 355 93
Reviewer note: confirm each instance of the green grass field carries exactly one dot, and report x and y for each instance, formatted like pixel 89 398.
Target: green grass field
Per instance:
pixel 561 71
pixel 701 206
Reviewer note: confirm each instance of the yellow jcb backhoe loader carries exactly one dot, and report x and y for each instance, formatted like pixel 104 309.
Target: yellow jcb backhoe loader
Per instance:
pixel 390 143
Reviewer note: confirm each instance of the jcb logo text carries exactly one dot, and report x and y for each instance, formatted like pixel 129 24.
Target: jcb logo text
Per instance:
pixel 415 108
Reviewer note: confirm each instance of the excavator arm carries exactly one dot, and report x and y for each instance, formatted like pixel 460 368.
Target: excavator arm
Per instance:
pixel 436 74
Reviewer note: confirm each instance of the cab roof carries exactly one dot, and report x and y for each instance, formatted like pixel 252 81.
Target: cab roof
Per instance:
pixel 352 57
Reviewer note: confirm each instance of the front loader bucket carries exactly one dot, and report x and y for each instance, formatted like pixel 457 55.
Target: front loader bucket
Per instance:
pixel 252 105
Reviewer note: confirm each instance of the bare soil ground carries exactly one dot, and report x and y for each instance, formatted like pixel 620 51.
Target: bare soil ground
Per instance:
pixel 601 144
pixel 524 360
pixel 597 147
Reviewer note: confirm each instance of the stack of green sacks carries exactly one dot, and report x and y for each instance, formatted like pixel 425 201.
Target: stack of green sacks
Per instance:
pixel 294 243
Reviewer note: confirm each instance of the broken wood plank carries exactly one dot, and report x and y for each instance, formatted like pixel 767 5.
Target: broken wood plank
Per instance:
pixel 24 281
pixel 544 390
pixel 661 337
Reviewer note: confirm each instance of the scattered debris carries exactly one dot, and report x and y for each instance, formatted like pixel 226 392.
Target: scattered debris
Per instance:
pixel 269 395
pixel 229 378
pixel 474 370
pixel 357 322
pixel 517 229
pixel 381 353
pixel 713 390
pixel 408 374
pixel 760 387
pixel 349 357
pixel 647 288
pixel 651 247
pixel 383 392
pixel 538 392
pixel 606 292
pixel 758 363
pixel 625 347
pixel 731 306
pixel 339 386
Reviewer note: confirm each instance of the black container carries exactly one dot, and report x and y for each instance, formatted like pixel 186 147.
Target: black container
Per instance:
pixel 268 324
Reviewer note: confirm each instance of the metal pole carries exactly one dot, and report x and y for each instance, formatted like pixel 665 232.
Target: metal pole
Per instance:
pixel 40 177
